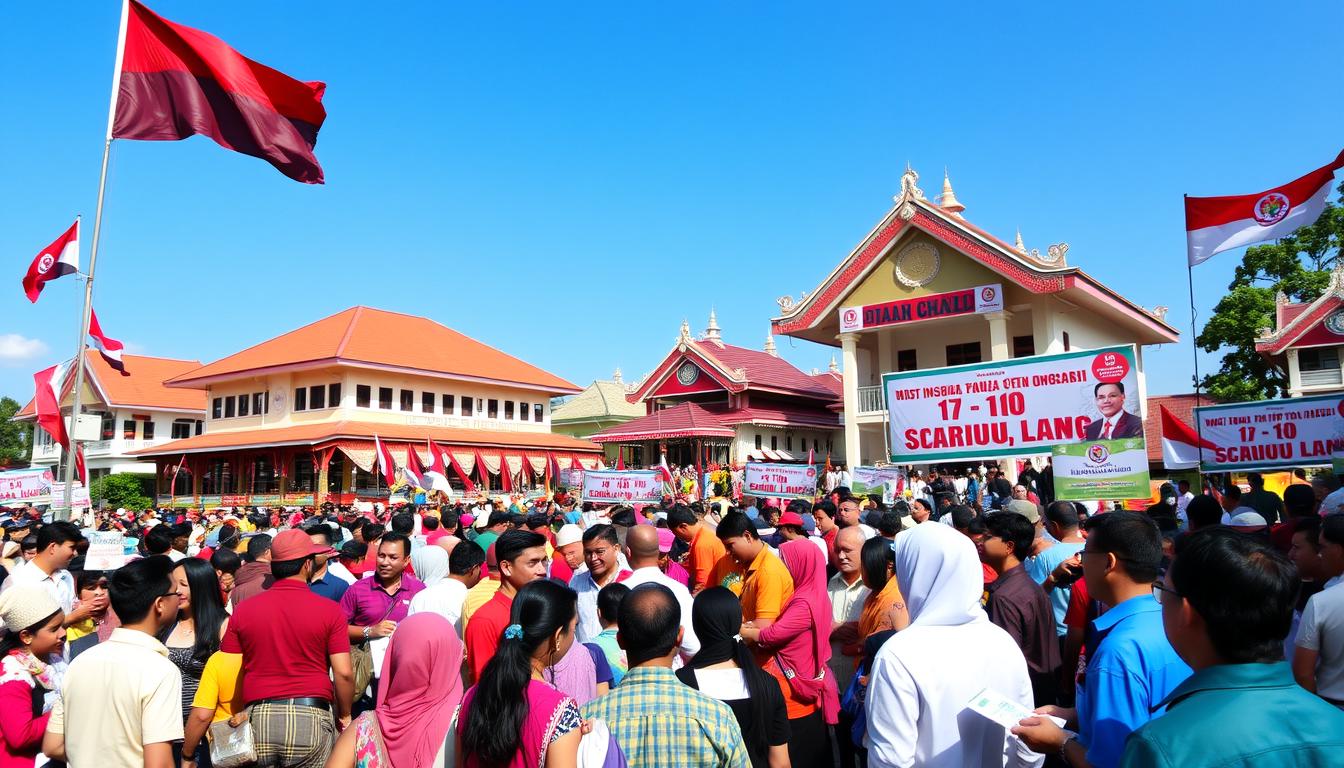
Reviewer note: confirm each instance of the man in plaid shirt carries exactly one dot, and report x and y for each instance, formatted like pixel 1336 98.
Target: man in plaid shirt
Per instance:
pixel 658 721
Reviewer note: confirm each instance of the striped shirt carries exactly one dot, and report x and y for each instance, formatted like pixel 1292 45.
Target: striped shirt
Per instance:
pixel 661 723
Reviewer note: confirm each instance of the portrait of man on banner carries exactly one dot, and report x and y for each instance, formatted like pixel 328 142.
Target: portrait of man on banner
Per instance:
pixel 1115 422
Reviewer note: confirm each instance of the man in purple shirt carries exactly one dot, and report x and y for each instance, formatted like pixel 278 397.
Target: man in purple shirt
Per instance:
pixel 374 604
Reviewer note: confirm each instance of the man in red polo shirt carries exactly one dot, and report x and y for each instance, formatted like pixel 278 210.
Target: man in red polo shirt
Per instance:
pixel 289 638
pixel 522 558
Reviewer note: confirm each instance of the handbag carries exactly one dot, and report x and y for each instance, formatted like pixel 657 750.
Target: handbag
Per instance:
pixel 232 747
pixel 361 658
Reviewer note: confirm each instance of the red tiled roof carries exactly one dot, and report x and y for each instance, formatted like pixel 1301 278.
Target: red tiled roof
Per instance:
pixel 832 381
pixel 1287 313
pixel 765 370
pixel 143 388
pixel 819 417
pixel 681 420
pixel 320 432
pixel 1180 406
pixel 363 335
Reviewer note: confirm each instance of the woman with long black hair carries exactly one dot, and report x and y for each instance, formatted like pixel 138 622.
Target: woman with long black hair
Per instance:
pixel 725 669
pixel 201 621
pixel 514 717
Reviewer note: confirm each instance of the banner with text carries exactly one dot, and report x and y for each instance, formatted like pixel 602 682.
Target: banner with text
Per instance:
pixel 967 301
pixel 874 480
pixel 608 486
pixel 23 485
pixel 1086 399
pixel 1296 432
pixel 784 481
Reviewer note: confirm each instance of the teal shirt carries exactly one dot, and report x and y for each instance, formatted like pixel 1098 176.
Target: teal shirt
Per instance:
pixel 1217 717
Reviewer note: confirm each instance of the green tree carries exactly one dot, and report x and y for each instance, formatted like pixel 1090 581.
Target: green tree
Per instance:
pixel 1298 266
pixel 119 491
pixel 16 437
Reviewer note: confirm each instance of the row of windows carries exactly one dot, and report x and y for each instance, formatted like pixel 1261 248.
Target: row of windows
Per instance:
pixel 447 404
pixel 231 406
pixel 788 443
pixel 317 397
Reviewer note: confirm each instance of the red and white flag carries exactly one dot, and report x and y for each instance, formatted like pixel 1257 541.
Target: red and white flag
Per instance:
pixel 80 471
pixel 1180 442
pixel 59 258
pixel 109 348
pixel 1216 224
pixel 664 472
pixel 47 402
pixel 385 463
pixel 435 458
pixel 414 471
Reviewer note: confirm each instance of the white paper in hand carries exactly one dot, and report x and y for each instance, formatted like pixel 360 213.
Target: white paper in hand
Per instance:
pixel 1003 710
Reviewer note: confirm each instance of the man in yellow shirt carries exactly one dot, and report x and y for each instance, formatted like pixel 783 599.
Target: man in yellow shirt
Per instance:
pixel 751 571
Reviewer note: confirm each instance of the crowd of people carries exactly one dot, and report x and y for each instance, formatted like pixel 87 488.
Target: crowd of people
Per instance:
pixel 973 622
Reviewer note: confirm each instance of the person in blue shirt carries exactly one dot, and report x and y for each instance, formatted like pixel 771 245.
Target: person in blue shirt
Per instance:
pixel 1133 667
pixel 1061 523
pixel 1227 602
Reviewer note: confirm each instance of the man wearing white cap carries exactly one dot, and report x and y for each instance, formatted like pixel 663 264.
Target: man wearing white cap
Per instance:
pixel 568 555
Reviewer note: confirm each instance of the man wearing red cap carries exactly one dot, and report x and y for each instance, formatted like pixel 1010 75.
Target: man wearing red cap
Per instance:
pixel 290 639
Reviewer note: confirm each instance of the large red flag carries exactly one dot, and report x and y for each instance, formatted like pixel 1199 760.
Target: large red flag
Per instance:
pixel 109 348
pixel 59 258
pixel 48 384
pixel 177 81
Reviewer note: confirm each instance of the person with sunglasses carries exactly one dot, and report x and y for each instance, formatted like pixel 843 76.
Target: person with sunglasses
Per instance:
pixel 122 699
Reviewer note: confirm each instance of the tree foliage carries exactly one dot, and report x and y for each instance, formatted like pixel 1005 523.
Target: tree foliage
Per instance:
pixel 115 491
pixel 1299 266
pixel 16 437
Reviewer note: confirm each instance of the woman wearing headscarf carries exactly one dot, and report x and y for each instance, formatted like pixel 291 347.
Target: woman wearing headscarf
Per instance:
pixel 415 724
pixel 884 608
pixel 925 674
pixel 799 646
pixel 430 564
pixel 724 669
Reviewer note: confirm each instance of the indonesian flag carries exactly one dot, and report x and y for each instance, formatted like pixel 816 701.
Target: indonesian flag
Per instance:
pixel 1215 224
pixel 1180 443
pixel 435 458
pixel 59 258
pixel 109 348
pixel 664 473
pixel 385 463
pixel 414 470
pixel 47 402
pixel 177 82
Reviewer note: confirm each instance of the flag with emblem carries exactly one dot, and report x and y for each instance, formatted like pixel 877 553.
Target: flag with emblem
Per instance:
pixel 59 258
pixel 109 348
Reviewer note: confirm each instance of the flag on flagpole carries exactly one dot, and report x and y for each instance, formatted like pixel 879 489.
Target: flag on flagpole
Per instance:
pixel 811 457
pixel 436 458
pixel 177 82
pixel 386 465
pixel 59 258
pixel 109 348
pixel 47 402
pixel 414 470
pixel 664 472
pixel 1180 443
pixel 1216 224
pixel 620 458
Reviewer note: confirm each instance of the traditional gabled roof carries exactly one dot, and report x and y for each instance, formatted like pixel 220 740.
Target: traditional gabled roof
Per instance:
pixel 681 420
pixel 1296 319
pixel 374 338
pixel 601 401
pixel 1034 272
pixel 143 388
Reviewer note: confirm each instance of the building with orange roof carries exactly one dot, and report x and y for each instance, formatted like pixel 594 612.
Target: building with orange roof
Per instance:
pixel 292 420
pixel 137 411
pixel 925 288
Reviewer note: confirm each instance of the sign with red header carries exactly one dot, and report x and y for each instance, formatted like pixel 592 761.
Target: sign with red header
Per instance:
pixel 968 301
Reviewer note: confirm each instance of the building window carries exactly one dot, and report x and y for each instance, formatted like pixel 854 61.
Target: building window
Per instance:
pixel 1024 346
pixel 523 409
pixel 336 473
pixel 962 354
pixel 829 445
pixel 264 479
pixel 448 405
pixel 537 412
pixel 492 409
pixel 363 395
pixel 385 398
pixel 301 399
pixel 508 410
pixel 244 405
pixel 466 406
pixel 147 431
pixel 216 409
pixel 1318 366
pixel 181 429
pixel 200 426
pixel 1066 341
pixel 317 397
pixel 333 395
pixel 906 360
pixel 230 403
pixel 427 402
pixel 788 442
pixel 304 477
pixel 407 400
pixel 758 442
pixel 107 429
pixel 259 402
pixel 815 446
pixel 774 442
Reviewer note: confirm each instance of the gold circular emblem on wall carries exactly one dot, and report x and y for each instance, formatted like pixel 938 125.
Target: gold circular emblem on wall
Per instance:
pixel 917 265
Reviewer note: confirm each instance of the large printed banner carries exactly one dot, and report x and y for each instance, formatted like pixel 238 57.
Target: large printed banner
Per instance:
pixel 1299 431
pixel 608 486
pixel 784 481
pixel 1086 400
pixel 874 480
pixel 24 485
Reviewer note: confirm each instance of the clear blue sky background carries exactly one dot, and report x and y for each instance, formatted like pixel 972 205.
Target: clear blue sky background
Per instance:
pixel 568 181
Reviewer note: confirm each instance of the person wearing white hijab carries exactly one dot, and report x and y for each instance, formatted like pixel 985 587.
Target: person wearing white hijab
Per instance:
pixel 430 564
pixel 926 674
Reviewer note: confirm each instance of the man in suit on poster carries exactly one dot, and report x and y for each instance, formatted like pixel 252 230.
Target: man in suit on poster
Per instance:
pixel 1115 422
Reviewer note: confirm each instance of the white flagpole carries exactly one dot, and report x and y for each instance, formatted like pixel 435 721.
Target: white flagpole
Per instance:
pixel 64 513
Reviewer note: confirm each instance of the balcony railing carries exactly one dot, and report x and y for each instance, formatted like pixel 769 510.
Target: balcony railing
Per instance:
pixel 1322 377
pixel 870 400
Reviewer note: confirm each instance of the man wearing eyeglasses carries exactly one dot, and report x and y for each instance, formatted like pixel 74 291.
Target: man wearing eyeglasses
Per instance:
pixel 1133 666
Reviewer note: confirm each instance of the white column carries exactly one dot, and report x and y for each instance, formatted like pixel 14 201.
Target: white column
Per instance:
pixel 999 348
pixel 849 344
pixel 885 340
pixel 1294 374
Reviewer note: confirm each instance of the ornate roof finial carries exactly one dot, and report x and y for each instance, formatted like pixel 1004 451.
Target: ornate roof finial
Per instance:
pixel 770 345
pixel 948 200
pixel 616 375
pixel 1018 245
pixel 712 329
pixel 685 334
pixel 833 368
pixel 909 186
pixel 1337 276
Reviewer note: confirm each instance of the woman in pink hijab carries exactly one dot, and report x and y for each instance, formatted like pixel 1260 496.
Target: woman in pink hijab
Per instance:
pixel 415 724
pixel 799 644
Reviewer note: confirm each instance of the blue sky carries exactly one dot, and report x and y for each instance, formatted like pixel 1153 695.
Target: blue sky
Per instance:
pixel 568 181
